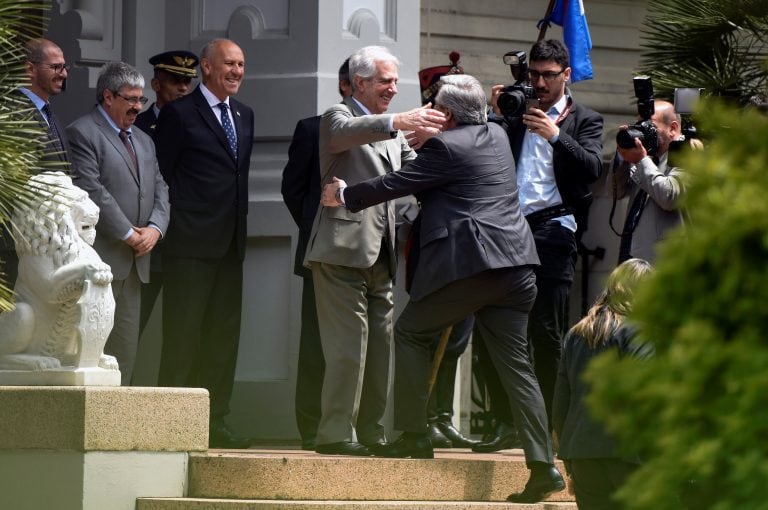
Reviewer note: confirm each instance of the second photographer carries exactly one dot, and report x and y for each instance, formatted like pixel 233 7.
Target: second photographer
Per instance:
pixel 654 187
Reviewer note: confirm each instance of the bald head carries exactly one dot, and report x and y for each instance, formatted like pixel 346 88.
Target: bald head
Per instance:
pixel 667 122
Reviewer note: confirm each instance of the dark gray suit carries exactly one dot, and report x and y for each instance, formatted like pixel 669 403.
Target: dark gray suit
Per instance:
pixel 102 167
pixel 476 253
pixel 53 158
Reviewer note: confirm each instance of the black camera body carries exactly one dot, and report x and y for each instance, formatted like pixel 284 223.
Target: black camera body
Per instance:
pixel 645 130
pixel 515 99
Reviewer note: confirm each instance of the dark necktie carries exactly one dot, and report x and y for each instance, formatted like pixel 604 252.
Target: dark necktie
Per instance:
pixel 53 128
pixel 633 218
pixel 126 138
pixel 229 130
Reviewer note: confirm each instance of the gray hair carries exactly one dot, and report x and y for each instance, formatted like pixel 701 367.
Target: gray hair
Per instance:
pixel 463 95
pixel 362 63
pixel 114 75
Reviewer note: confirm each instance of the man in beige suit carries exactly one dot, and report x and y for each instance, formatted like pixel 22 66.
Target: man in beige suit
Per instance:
pixel 352 255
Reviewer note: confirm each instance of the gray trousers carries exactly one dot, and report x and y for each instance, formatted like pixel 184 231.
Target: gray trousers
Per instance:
pixel 123 341
pixel 354 310
pixel 501 300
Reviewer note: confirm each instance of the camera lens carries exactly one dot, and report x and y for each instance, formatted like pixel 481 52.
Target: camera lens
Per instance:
pixel 626 137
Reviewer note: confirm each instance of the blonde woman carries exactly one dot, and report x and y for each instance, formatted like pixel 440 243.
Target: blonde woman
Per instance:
pixel 594 464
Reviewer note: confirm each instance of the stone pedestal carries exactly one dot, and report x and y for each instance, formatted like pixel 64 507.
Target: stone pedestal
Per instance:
pixel 78 448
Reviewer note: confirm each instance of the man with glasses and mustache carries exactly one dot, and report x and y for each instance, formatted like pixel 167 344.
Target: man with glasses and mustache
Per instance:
pixel 558 154
pixel 46 73
pixel 117 166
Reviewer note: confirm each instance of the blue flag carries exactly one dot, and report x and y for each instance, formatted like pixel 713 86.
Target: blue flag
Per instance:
pixel 569 14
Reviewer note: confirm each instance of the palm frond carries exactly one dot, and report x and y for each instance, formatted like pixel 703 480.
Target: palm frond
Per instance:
pixel 718 45
pixel 20 141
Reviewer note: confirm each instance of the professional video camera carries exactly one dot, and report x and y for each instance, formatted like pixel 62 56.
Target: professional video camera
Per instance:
pixel 645 130
pixel 515 99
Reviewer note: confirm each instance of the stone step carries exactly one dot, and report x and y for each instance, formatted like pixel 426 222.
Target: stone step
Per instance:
pixel 263 504
pixel 294 477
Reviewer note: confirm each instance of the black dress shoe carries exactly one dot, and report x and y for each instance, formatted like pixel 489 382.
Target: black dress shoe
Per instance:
pixel 219 436
pixel 437 438
pixel 376 442
pixel 407 446
pixel 505 438
pixel 544 481
pixel 308 444
pixel 343 448
pixel 457 439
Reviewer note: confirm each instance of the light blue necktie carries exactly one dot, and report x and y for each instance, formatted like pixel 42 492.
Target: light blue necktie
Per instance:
pixel 229 130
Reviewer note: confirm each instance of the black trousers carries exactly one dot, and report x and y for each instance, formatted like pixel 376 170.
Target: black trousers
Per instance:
pixel 500 300
pixel 548 322
pixel 311 366
pixel 202 300
pixel 596 480
pixel 441 400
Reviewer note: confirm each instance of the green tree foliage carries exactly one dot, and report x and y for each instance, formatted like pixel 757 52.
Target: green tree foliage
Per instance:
pixel 719 45
pixel 20 142
pixel 698 411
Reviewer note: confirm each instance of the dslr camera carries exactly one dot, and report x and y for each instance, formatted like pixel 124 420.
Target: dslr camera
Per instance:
pixel 645 130
pixel 515 99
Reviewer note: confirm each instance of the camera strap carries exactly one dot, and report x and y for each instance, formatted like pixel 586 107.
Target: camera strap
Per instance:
pixel 567 111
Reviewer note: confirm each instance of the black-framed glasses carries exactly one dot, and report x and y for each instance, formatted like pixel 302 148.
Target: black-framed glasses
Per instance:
pixel 548 76
pixel 56 68
pixel 133 100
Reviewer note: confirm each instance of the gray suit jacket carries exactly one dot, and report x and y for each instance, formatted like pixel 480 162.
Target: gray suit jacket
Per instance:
pixel 470 214
pixel 664 185
pixel 355 147
pixel 102 167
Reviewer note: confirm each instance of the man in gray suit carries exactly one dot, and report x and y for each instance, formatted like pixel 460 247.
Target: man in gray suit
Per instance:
pixel 477 257
pixel 654 186
pixel 352 255
pixel 116 165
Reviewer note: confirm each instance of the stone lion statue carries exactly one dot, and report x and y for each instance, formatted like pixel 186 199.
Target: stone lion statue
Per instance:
pixel 64 304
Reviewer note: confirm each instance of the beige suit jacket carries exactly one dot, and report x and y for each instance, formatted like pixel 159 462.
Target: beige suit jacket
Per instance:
pixel 355 147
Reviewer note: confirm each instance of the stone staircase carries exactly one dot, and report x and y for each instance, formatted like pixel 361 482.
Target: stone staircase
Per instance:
pixel 272 479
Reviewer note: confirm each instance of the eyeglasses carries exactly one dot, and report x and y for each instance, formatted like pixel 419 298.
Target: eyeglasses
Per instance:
pixel 56 68
pixel 133 101
pixel 547 75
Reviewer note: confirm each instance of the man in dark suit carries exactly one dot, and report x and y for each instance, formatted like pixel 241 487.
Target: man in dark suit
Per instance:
pixel 172 80
pixel 352 256
pixel 558 153
pixel 477 257
pixel 301 194
pixel 174 71
pixel 204 143
pixel 116 165
pixel 46 72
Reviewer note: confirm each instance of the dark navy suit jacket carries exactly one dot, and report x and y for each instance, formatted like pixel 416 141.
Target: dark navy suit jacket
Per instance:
pixel 301 184
pixel 470 214
pixel 208 185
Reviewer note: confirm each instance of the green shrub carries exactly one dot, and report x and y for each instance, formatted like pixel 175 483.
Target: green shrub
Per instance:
pixel 698 411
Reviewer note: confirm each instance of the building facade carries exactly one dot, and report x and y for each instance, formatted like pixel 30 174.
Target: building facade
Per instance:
pixel 293 49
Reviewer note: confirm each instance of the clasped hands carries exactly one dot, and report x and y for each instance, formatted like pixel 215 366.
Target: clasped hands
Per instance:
pixel 143 239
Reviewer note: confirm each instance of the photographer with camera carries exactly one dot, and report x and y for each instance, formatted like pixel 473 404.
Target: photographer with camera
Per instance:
pixel 557 147
pixel 643 173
